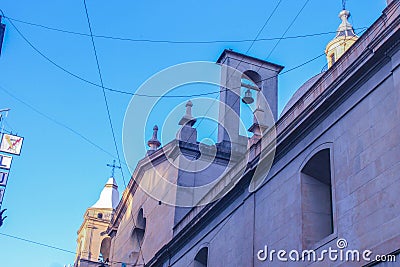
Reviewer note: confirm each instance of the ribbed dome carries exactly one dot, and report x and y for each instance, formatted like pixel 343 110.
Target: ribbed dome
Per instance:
pixel 109 197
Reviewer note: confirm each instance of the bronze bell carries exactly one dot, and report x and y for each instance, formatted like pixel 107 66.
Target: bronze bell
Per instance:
pixel 248 98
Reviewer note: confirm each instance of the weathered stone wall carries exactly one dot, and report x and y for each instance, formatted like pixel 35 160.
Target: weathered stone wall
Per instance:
pixel 159 223
pixel 364 134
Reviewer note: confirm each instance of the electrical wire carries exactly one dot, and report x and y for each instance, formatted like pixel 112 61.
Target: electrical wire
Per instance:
pixel 109 115
pixel 51 61
pixel 294 68
pixel 164 40
pixel 53 247
pixel 104 91
pixel 37 243
pixel 88 140
pixel 288 28
pixel 265 24
pixel 93 83
pixel 276 7
pixel 61 124
pixel 241 60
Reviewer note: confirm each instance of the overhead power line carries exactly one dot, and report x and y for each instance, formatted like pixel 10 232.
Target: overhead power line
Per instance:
pixel 242 58
pixel 128 39
pixel 288 28
pixel 104 91
pixel 51 61
pixel 52 247
pixel 86 139
pixel 289 70
pixel 93 83
pixel 109 115
pixel 37 243
pixel 41 113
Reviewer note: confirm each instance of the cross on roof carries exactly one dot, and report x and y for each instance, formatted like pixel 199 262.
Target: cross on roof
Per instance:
pixel 113 166
pixel 344 4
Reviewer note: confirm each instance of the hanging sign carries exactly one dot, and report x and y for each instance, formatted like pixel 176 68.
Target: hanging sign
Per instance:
pixel 1 194
pixel 5 162
pixel 3 178
pixel 11 144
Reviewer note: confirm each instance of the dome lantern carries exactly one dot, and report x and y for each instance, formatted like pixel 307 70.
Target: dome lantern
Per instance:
pixel 344 39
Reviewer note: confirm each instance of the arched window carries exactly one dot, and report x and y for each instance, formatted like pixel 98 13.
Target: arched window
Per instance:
pixel 201 258
pixel 80 245
pixel 253 77
pixel 105 248
pixel 250 86
pixel 316 189
pixel 138 236
pixel 333 59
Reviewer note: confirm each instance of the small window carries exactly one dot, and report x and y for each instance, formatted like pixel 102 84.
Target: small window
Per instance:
pixel 333 59
pixel 251 84
pixel 100 215
pixel 201 258
pixel 105 249
pixel 316 190
pixel 137 237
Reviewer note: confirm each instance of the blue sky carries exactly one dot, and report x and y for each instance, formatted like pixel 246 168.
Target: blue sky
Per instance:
pixel 59 174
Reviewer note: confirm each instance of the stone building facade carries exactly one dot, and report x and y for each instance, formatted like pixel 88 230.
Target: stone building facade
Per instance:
pixel 333 183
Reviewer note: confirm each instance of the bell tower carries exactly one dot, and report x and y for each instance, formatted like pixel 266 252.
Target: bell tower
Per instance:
pixel 258 77
pixel 92 242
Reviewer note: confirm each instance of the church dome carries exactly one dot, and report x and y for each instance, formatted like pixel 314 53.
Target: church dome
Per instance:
pixel 345 37
pixel 300 92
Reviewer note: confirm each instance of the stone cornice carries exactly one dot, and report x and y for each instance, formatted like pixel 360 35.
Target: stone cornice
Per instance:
pixel 239 56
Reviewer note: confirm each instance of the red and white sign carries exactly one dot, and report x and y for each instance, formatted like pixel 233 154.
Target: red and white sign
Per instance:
pixel 11 144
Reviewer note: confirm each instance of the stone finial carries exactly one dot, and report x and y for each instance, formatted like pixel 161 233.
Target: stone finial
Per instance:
pixel 258 127
pixel 187 133
pixel 188 119
pixel 153 143
pixel 345 28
